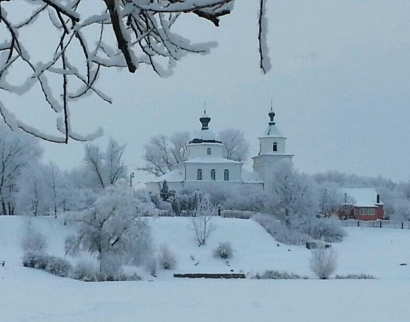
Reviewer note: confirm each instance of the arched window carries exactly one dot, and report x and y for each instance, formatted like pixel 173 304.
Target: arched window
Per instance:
pixel 208 151
pixel 199 174
pixel 275 147
pixel 213 174
pixel 226 175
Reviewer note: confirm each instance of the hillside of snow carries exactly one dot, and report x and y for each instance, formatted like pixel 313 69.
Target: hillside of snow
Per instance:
pixel 33 295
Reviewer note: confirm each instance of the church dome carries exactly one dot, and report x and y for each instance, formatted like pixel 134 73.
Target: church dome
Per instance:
pixel 205 135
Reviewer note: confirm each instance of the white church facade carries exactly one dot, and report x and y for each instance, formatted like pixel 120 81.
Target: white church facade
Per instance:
pixel 207 164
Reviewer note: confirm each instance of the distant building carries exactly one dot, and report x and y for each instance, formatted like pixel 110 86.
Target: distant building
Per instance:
pixel 206 162
pixel 361 204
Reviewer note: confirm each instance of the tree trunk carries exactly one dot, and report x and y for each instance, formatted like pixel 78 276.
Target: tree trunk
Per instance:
pixel 4 209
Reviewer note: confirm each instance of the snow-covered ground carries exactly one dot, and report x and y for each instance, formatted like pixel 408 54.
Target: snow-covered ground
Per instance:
pixel 32 295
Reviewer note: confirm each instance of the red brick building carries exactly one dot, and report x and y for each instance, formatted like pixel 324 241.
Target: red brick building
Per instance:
pixel 361 204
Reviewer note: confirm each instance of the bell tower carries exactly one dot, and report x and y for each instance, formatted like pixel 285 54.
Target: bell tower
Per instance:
pixel 272 148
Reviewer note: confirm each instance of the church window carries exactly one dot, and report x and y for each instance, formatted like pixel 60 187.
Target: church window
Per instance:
pixel 208 151
pixel 213 174
pixel 226 175
pixel 275 147
pixel 199 174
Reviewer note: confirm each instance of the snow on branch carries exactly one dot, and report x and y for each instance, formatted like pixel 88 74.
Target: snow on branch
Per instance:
pixel 265 64
pixel 110 34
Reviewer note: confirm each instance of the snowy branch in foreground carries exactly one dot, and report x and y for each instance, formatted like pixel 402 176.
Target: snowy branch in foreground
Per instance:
pixel 110 33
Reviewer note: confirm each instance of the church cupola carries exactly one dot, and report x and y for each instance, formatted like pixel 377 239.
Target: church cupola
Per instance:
pixel 205 119
pixel 271 117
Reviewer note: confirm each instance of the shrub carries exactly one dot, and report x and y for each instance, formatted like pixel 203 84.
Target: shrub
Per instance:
pixel 278 275
pixel 33 241
pixel 355 277
pixel 58 266
pixel 53 265
pixel 151 265
pixel 323 262
pixel 237 214
pixel 111 265
pixel 166 258
pixel 224 250
pixel 35 260
pixel 280 232
pixel 329 229
pixel 85 270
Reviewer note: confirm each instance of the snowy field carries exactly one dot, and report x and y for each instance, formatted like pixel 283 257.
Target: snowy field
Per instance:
pixel 33 295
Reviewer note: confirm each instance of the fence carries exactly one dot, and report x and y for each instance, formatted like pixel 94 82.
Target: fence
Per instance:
pixel 376 224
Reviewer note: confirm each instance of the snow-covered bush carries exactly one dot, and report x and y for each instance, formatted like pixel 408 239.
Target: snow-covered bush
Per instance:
pixel 280 232
pixel 166 258
pixel 88 271
pixel 330 229
pixel 239 214
pixel 33 240
pixel 35 260
pixel 151 265
pixel 224 250
pixel 355 277
pixel 278 275
pixel 85 270
pixel 111 265
pixel 58 266
pixel 323 262
pixel 52 264
pixel 247 198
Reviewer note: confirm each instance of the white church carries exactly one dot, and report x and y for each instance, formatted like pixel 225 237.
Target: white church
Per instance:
pixel 206 162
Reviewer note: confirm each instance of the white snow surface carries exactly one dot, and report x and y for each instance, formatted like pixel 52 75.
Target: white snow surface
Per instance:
pixel 34 295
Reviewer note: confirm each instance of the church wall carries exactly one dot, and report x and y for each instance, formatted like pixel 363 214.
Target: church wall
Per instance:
pixel 200 150
pixel 234 171
pixel 266 145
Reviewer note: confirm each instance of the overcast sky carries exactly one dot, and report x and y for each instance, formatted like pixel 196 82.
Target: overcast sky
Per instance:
pixel 340 86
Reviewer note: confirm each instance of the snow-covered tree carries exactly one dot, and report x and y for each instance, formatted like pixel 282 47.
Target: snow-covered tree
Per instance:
pixel 236 147
pixel 17 151
pixel 112 229
pixel 105 168
pixel 201 220
pixel 33 197
pixel 163 153
pixel 84 37
pixel 293 198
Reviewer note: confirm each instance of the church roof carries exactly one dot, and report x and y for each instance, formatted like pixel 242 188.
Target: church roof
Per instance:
pixel 173 176
pixel 363 197
pixel 211 160
pixel 272 131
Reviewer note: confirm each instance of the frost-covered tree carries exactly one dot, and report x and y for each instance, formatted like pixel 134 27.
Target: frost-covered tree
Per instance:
pixel 201 220
pixel 236 147
pixel 17 151
pixel 112 229
pixel 33 240
pixel 293 198
pixel 105 168
pixel 163 153
pixel 33 197
pixel 84 38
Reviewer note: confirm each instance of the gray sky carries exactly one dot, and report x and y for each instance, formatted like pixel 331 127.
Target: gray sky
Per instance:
pixel 340 86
